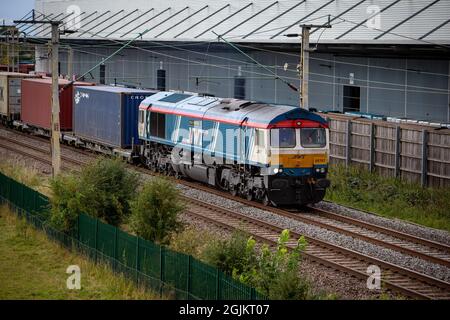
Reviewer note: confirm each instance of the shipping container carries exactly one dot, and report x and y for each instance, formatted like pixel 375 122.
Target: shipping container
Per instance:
pixel 37 103
pixel 108 115
pixel 10 92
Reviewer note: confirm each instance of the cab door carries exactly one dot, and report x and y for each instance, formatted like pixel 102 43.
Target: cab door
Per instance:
pixel 260 142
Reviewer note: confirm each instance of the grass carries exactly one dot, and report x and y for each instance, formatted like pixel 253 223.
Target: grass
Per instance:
pixel 30 176
pixel 390 197
pixel 33 267
pixel 192 241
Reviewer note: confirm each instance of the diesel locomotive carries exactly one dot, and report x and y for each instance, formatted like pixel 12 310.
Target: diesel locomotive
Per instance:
pixel 272 153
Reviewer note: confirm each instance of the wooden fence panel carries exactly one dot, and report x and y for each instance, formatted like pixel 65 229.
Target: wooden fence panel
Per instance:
pixel 438 159
pixel 385 150
pixel 412 152
pixel 360 144
pixel 411 155
pixel 338 141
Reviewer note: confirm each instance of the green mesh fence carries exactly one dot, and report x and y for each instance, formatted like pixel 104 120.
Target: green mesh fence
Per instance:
pixel 152 266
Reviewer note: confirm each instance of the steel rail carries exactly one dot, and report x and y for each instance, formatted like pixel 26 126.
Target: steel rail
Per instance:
pixel 397 278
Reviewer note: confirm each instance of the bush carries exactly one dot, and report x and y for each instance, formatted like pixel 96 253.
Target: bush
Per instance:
pixel 107 188
pixel 102 190
pixel 65 202
pixel 154 213
pixel 274 273
pixel 234 255
pixel 191 241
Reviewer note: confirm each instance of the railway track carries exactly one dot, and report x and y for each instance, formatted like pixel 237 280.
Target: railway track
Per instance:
pixel 386 237
pixel 38 153
pixel 408 282
pixel 396 277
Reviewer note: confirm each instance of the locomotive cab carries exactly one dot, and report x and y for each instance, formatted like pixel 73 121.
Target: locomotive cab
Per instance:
pixel 298 162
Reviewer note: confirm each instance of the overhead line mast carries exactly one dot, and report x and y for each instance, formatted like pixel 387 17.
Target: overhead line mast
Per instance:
pixel 303 69
pixel 55 126
pixel 290 85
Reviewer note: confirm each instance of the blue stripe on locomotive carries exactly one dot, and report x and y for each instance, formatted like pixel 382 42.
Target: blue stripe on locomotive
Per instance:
pixel 220 149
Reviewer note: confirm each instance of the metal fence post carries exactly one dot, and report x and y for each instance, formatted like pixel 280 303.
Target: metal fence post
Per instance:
pixel 137 261
pixel 372 148
pixel 78 227
pixel 424 158
pixel 218 284
pixel 252 294
pixel 397 152
pixel 348 143
pixel 188 284
pixel 161 269
pixel 96 234
pixel 115 248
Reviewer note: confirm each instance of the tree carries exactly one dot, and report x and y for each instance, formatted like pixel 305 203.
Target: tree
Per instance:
pixel 154 213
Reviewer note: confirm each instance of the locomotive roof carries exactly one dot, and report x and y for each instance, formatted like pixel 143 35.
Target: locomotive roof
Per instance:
pixel 232 111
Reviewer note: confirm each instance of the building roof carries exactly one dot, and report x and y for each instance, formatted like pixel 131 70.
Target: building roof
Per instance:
pixel 353 21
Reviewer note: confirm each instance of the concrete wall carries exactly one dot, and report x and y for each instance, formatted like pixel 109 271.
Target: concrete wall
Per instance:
pixel 417 89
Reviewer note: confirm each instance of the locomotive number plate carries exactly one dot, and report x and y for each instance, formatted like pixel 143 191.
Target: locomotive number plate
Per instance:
pixel 320 160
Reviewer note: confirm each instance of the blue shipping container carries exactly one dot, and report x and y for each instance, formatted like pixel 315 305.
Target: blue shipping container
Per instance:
pixel 108 115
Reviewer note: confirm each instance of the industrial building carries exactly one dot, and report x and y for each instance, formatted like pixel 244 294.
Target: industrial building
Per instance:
pixel 388 57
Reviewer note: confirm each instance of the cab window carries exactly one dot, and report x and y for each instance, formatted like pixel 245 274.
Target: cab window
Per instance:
pixel 313 137
pixel 260 138
pixel 157 124
pixel 282 138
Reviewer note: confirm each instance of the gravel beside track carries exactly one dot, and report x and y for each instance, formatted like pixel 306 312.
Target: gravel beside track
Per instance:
pixel 397 224
pixel 431 269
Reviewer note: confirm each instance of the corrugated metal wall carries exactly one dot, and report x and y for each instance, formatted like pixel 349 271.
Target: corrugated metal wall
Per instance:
pixel 257 20
pixel 416 89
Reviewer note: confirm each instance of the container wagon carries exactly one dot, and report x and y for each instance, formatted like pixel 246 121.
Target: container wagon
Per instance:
pixel 105 119
pixel 10 95
pixel 37 104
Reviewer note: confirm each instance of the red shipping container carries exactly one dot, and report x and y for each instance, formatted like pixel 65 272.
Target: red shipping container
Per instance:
pixel 37 103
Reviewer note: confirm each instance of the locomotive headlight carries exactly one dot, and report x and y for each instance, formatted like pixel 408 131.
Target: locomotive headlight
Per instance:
pixel 322 170
pixel 277 170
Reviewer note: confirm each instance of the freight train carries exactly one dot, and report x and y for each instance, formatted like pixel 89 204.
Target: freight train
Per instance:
pixel 274 154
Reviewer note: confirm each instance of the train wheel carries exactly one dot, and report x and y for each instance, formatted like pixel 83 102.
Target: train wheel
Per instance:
pixel 249 195
pixel 233 190
pixel 265 200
